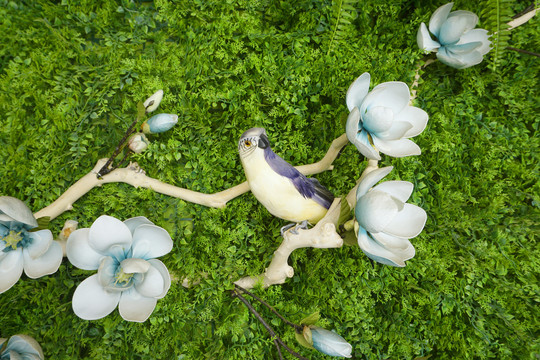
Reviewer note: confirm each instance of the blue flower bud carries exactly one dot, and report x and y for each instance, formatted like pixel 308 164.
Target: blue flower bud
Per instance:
pixel 159 123
pixel 330 343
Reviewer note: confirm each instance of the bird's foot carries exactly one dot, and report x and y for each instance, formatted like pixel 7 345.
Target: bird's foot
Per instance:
pixel 286 227
pixel 303 225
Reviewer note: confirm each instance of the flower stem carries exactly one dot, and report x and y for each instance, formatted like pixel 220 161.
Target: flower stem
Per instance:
pixel 106 169
pixel 296 327
pixel 275 337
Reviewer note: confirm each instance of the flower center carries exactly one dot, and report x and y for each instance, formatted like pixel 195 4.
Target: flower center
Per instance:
pixel 122 278
pixel 12 239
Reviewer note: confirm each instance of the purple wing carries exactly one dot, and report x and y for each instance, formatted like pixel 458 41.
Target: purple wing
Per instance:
pixel 309 188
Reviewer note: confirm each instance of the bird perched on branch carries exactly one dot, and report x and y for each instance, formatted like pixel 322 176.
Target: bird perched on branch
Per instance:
pixel 283 190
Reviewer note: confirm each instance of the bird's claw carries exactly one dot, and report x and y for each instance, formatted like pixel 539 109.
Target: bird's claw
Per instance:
pixel 303 225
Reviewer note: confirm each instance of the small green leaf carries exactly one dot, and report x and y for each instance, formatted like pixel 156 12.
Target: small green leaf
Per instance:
pixel 311 319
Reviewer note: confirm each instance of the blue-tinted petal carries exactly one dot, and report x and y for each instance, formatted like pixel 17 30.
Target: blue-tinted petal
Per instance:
pixel 41 240
pixel 14 209
pixel 392 94
pixel 477 35
pixel 150 241
pixel 438 18
pixel 371 179
pixel 26 346
pixel 459 61
pixel 363 145
pixel 456 25
pixel 376 251
pixel 424 40
pixel 358 91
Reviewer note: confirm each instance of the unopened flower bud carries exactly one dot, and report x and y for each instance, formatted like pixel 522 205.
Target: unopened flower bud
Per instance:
pixel 159 123
pixel 138 143
pixel 153 101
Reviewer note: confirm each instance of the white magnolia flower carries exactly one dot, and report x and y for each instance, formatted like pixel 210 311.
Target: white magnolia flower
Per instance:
pixel 385 221
pixel 458 44
pixel 382 120
pixel 21 249
pixel 129 275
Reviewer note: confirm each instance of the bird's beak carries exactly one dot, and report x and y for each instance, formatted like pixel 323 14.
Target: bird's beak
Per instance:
pixel 263 141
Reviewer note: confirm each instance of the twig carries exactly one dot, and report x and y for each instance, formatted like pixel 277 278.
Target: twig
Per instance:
pixel 523 51
pixel 105 169
pixel 298 328
pixel 268 328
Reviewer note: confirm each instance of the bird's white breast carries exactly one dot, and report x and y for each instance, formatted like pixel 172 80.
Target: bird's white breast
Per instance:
pixel 277 193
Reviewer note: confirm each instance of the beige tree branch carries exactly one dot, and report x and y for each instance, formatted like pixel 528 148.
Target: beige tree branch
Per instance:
pixel 323 235
pixel 135 176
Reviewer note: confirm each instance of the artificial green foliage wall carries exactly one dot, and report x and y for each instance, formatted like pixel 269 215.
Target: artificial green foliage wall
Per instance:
pixel 71 74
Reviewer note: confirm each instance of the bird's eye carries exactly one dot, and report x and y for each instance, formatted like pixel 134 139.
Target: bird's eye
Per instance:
pixel 247 143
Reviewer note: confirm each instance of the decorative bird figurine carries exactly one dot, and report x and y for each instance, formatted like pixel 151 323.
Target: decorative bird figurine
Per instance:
pixel 283 190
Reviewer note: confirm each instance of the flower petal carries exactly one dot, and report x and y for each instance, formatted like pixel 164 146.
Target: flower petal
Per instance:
pixel 153 101
pixel 80 253
pixel 401 190
pixel 417 117
pixel 135 265
pixel 377 119
pixel 359 137
pixel 41 240
pixel 109 235
pixel 358 91
pixel 397 148
pixel 393 94
pixel 424 40
pixel 376 251
pixel 150 241
pixel 18 211
pixel 92 302
pixel 364 146
pixel 152 284
pixel 135 307
pixel 459 61
pixel 160 266
pixel 134 222
pixel 456 25
pixel 46 264
pixel 26 346
pixel 396 131
pixel 477 35
pixel 395 244
pixel 371 179
pixel 408 222
pixel 106 272
pixel 438 18
pixel 376 209
pixel 11 268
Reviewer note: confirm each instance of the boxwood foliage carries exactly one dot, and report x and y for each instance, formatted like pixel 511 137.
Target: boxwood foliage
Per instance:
pixel 72 72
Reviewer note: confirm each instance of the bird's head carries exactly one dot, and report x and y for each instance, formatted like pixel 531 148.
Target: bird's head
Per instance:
pixel 252 140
